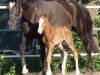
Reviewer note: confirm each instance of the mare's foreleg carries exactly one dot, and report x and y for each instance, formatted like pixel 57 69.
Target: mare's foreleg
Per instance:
pixel 22 50
pixel 42 51
pixel 42 55
pixel 48 59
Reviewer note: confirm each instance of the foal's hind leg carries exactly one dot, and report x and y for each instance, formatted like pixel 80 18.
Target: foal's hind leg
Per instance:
pixel 71 46
pixel 65 54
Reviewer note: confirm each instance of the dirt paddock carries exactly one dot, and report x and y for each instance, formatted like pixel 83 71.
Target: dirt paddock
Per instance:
pixel 93 73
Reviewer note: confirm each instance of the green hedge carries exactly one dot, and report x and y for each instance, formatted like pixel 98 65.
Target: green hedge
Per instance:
pixel 13 66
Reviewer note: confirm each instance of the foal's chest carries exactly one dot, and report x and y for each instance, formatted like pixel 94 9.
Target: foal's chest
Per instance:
pixel 58 35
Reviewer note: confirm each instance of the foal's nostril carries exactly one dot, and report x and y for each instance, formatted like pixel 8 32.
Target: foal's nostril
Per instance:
pixel 39 31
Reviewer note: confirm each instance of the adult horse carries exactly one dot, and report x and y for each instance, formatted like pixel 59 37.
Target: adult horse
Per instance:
pixel 62 12
pixel 29 30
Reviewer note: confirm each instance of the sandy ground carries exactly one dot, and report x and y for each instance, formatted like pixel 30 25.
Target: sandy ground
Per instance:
pixel 93 73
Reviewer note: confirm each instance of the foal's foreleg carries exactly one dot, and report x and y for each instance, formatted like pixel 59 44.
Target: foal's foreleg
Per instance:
pixel 49 55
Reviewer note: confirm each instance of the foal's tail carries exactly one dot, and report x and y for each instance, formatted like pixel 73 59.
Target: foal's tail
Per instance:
pixel 93 46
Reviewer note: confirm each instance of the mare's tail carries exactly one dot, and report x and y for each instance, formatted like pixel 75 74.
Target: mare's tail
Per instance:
pixel 93 46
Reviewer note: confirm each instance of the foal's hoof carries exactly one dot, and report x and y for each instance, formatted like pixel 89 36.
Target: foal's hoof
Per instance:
pixel 58 72
pixel 88 73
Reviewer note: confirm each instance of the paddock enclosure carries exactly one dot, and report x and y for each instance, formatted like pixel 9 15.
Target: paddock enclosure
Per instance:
pixel 10 39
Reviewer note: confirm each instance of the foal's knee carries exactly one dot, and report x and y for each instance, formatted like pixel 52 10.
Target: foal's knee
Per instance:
pixel 76 55
pixel 48 60
pixel 25 27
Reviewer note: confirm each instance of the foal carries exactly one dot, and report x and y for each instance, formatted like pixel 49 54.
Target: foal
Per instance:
pixel 55 36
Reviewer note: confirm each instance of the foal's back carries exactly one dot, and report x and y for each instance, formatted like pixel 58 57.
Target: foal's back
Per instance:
pixel 60 34
pixel 57 35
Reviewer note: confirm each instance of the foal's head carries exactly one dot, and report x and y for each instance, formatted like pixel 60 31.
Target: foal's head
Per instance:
pixel 43 22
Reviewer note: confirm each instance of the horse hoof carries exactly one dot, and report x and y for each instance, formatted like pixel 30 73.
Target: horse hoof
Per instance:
pixel 89 73
pixel 25 72
pixel 89 70
pixel 58 71
pixel 78 72
pixel 58 74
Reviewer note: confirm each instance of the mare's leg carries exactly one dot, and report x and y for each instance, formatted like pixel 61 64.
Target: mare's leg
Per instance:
pixel 22 49
pixel 48 59
pixel 84 30
pixel 63 61
pixel 87 43
pixel 71 46
pixel 42 51
pixel 42 55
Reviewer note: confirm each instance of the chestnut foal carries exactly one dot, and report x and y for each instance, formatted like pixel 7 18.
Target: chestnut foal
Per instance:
pixel 55 36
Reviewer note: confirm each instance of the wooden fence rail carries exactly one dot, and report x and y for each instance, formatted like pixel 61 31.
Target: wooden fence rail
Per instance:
pixel 54 55
pixel 3 7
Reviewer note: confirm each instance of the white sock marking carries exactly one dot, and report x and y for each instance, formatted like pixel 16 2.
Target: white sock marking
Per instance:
pixel 77 67
pixel 64 63
pixel 25 70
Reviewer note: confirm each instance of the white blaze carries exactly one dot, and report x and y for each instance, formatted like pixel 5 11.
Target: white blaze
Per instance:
pixel 11 4
pixel 40 29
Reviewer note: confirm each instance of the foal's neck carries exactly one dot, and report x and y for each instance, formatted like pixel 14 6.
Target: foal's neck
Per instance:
pixel 48 30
